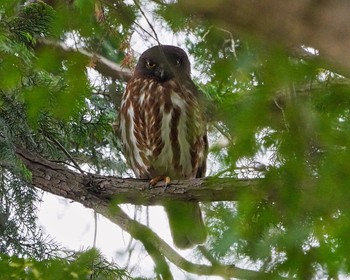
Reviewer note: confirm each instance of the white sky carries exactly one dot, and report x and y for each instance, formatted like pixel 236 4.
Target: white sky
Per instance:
pixel 73 225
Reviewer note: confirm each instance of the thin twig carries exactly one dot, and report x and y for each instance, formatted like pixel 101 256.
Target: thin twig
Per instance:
pixel 95 230
pixel 283 114
pixel 92 275
pixel 148 22
pixel 144 30
pixel 63 149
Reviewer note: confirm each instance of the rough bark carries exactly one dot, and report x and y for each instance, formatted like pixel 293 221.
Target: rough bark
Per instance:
pixel 90 189
pixel 324 25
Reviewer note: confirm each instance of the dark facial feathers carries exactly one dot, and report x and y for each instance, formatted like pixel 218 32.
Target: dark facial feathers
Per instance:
pixel 163 63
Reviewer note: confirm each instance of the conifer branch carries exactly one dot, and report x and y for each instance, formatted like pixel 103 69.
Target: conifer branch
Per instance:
pixel 101 64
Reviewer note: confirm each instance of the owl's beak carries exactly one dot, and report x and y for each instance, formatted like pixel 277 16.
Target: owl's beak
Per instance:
pixel 161 72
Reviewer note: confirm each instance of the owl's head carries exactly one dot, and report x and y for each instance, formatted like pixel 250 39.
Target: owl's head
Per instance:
pixel 163 63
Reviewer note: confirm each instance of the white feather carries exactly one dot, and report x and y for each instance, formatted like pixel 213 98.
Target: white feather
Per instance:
pixel 185 156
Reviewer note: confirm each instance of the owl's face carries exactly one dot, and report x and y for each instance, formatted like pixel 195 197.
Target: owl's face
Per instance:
pixel 163 63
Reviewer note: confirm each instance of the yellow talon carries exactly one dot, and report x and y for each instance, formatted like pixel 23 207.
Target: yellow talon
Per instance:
pixel 157 179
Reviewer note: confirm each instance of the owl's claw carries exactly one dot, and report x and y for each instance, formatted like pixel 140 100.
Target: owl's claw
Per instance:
pixel 157 179
pixel 167 183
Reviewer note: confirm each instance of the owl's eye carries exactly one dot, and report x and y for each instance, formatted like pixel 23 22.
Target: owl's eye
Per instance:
pixel 150 64
pixel 178 63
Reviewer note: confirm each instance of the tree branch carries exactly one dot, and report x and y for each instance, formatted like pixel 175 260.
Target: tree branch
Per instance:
pixel 90 189
pixel 101 64
pixel 98 193
pixel 153 242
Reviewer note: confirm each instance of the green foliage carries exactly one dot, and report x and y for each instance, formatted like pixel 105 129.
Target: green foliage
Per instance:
pixel 44 106
pixel 33 21
pixel 285 120
pixel 292 115
pixel 83 265
pixel 19 235
pixel 300 229
pixel 174 17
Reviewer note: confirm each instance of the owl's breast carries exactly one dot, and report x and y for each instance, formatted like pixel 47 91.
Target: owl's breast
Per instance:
pixel 162 129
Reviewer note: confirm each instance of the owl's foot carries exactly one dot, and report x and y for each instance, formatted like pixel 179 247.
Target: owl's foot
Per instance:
pixel 157 179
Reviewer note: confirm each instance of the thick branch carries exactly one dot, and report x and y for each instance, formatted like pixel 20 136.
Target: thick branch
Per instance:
pixel 324 25
pixel 91 189
pixel 101 64
pixel 97 192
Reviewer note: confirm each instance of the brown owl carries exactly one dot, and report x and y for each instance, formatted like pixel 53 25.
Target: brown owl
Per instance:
pixel 163 132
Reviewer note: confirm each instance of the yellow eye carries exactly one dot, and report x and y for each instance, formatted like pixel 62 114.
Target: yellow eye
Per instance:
pixel 150 64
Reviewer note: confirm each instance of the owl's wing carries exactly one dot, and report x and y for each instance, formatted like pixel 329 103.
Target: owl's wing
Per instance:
pixel 202 166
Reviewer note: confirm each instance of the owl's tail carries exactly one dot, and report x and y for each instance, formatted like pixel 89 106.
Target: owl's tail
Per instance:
pixel 186 224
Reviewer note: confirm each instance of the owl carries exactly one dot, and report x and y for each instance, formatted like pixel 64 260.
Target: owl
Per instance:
pixel 163 132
